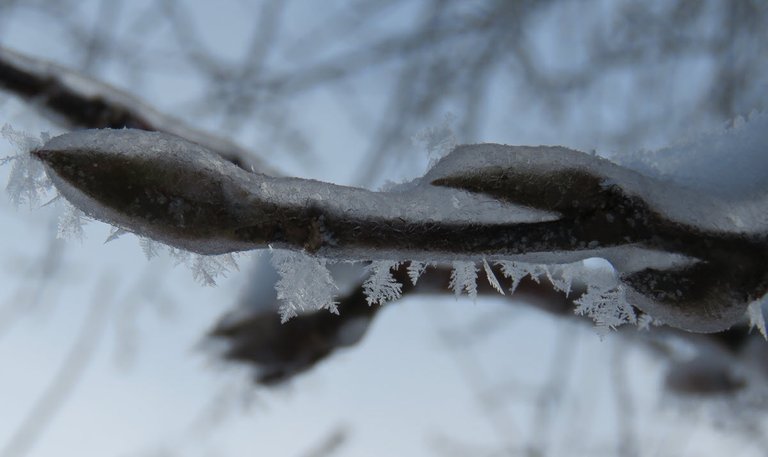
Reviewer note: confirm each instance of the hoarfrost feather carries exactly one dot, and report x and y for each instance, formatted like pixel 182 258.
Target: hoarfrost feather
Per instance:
pixel 305 284
pixel 115 233
pixel 492 280
pixel 464 278
pixel 150 247
pixel 381 286
pixel 28 183
pixel 415 270
pixel 517 271
pixel 561 276
pixel 71 223
pixel 607 306
pixel 207 268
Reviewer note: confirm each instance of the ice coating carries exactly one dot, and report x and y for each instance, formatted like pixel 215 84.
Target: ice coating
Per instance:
pixel 188 197
pixel 709 211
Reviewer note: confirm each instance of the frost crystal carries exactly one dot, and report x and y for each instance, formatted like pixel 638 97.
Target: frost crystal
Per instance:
pixel 28 182
pixel 114 234
pixel 756 318
pixel 71 223
pixel 517 271
pixel 464 278
pixel 492 280
pixel 415 270
pixel 305 284
pixel 607 306
pixel 438 140
pixel 561 276
pixel 150 248
pixel 381 286
pixel 206 268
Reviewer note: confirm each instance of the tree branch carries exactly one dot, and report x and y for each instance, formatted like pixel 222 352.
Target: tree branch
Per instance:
pixel 687 259
pixel 75 101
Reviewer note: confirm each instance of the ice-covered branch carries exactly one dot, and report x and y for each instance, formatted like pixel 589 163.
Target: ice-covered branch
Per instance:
pixel 688 259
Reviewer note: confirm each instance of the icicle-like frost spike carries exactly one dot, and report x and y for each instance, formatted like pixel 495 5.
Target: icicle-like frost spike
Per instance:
pixel 607 306
pixel 492 280
pixel 114 234
pixel 561 276
pixel 415 270
pixel 205 268
pixel 179 256
pixel 464 278
pixel 517 271
pixel 150 248
pixel 381 286
pixel 305 284
pixel 756 317
pixel 71 223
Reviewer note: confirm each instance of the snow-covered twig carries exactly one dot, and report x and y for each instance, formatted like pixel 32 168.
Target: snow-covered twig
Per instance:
pixel 688 259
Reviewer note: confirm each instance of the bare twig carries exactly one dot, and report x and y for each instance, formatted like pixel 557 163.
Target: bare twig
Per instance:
pixel 77 101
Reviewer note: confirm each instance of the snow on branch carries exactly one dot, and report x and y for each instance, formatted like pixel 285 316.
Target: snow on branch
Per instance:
pixel 688 259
